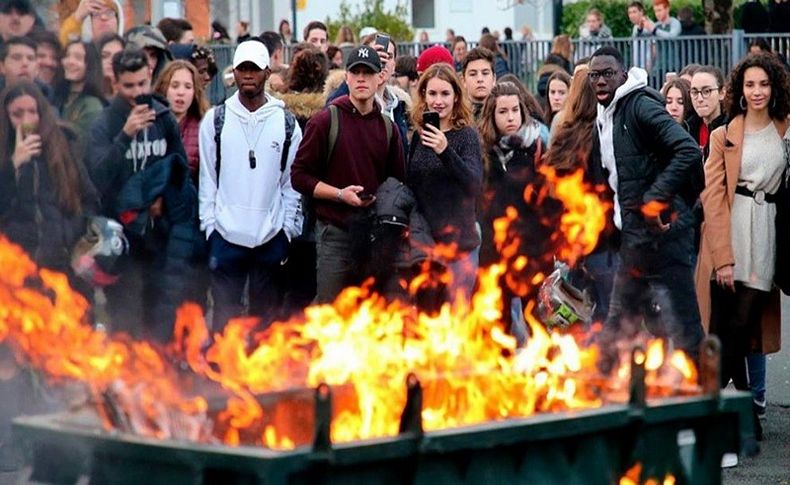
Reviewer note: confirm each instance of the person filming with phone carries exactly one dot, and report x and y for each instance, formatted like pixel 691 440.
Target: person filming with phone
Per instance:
pixel 446 171
pixel 137 162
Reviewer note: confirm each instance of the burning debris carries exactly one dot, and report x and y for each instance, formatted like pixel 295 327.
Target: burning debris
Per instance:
pixel 244 387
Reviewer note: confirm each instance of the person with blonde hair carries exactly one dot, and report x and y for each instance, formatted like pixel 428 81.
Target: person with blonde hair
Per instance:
pixel 181 85
pixel 445 171
pixel 345 37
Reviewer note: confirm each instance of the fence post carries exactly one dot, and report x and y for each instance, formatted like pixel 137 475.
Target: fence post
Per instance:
pixel 738 46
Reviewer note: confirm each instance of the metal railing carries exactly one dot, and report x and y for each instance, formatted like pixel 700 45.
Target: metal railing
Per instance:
pixel 658 56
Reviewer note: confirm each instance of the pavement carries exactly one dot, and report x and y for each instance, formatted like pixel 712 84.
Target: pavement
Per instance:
pixel 772 465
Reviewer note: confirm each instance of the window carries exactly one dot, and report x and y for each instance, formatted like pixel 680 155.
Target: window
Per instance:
pixel 422 14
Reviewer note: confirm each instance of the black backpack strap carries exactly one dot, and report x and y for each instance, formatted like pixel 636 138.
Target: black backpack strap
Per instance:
pixel 219 122
pixel 290 123
pixel 334 130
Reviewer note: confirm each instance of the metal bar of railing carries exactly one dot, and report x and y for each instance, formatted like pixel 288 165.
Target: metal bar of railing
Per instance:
pixel 659 56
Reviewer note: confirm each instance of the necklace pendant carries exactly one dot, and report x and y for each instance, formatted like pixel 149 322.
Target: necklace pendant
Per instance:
pixel 252 159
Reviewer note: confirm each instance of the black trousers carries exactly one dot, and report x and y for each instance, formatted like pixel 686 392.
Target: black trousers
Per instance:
pixel 736 319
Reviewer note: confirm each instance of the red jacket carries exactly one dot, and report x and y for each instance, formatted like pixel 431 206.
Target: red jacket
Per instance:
pixel 190 127
pixel 361 157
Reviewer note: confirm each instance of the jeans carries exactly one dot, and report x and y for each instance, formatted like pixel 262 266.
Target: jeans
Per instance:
pixel 232 265
pixel 464 272
pixel 660 292
pixel 756 365
pixel 600 269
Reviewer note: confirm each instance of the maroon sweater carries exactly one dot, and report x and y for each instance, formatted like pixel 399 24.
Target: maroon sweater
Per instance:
pixel 361 157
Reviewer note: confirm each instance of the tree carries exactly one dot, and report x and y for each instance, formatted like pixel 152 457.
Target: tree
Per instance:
pixel 718 16
pixel 371 13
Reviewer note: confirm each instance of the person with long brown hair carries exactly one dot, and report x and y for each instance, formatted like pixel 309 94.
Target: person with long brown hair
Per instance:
pixel 45 191
pixel 445 171
pixel 574 148
pixel 556 93
pixel 512 148
pixel 743 252
pixel 181 85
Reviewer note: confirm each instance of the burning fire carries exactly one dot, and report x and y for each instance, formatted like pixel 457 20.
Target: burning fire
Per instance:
pixel 634 477
pixel 362 345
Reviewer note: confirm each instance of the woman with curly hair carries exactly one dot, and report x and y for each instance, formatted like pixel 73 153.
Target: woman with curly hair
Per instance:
pixel 181 85
pixel 445 171
pixel 743 255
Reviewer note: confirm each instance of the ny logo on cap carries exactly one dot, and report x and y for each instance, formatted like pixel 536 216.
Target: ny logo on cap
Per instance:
pixel 362 52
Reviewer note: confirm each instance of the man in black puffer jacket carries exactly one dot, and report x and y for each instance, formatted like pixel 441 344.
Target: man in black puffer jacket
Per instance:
pixel 652 163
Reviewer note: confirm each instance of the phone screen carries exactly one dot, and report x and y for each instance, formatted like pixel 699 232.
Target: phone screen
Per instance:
pixel 144 99
pixel 430 118
pixel 383 41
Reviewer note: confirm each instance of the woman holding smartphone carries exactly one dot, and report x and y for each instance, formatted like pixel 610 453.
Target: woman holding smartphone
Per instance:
pixel 45 191
pixel 445 172
pixel 743 253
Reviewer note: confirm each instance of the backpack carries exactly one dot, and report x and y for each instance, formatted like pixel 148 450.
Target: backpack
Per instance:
pixel 219 122
pixel 334 129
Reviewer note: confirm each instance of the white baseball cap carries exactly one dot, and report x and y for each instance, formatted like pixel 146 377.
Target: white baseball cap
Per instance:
pixel 253 51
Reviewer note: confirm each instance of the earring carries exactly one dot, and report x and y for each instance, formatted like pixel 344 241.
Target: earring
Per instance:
pixel 773 104
pixel 742 103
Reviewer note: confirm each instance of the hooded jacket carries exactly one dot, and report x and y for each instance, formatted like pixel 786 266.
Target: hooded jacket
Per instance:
pixel 361 157
pixel 248 206
pixel 650 158
pixel 71 28
pixel 112 156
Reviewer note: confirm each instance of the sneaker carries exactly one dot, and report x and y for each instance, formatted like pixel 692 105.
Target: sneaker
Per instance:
pixel 759 408
pixel 729 460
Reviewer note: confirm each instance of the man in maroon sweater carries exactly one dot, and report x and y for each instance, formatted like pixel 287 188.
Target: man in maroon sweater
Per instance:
pixel 343 184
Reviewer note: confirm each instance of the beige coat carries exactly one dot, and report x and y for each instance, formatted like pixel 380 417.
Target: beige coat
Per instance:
pixel 721 176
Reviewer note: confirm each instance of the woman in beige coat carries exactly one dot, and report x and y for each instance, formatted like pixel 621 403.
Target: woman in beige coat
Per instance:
pixel 737 261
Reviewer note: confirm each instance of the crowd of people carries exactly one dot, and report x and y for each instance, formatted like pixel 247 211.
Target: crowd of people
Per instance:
pixel 351 162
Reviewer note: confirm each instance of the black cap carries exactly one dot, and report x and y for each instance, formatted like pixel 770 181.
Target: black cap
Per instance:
pixel 21 6
pixel 364 55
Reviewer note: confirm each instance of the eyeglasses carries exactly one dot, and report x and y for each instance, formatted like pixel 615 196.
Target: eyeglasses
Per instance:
pixel 607 74
pixel 704 92
pixel 104 14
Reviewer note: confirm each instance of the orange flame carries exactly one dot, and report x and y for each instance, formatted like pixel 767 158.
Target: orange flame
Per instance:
pixel 634 477
pixel 362 345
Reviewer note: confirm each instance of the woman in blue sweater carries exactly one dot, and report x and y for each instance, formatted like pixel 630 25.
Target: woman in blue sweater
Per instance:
pixel 445 172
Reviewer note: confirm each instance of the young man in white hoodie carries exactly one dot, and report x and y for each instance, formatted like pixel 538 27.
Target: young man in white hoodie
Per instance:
pixel 651 161
pixel 248 208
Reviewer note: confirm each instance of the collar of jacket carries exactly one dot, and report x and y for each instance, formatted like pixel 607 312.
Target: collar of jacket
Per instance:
pixel 735 130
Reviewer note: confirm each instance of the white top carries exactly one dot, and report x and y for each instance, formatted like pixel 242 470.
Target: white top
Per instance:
pixel 753 224
pixel 251 205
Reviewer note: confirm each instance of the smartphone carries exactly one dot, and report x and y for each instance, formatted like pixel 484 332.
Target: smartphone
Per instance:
pixel 670 76
pixel 365 197
pixel 28 129
pixel 383 41
pixel 430 118
pixel 146 99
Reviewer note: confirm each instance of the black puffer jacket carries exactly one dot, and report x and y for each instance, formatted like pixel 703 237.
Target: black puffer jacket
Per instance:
pixel 656 160
pixel 396 205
